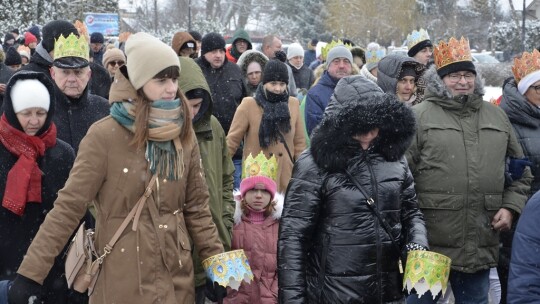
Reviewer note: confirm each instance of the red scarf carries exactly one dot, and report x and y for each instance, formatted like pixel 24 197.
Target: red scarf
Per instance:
pixel 24 179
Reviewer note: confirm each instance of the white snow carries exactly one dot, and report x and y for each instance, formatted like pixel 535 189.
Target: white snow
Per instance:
pixel 492 92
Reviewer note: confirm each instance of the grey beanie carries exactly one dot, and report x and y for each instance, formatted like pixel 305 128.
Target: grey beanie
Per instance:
pixel 339 51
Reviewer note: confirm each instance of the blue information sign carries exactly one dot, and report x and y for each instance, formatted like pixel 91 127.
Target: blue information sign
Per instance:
pixel 107 24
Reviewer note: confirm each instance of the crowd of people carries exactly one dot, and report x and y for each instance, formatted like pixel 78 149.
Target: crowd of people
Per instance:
pixel 326 165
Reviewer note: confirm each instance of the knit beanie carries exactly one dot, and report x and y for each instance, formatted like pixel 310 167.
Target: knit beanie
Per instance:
pixel 456 67
pixel 407 70
pixel 196 35
pixel 339 51
pixel 418 47
pixel 29 38
pixel 113 55
pixel 295 49
pixel 146 57
pixel 9 39
pixel 30 93
pixel 12 57
pixel 258 182
pixel 275 70
pixel 212 41
pixel 53 30
pixel 35 31
pixel 97 37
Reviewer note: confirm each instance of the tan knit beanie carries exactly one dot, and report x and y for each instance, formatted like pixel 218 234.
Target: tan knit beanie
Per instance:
pixel 147 56
pixel 113 55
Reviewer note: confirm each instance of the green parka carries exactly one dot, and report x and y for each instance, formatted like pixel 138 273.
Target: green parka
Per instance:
pixel 217 164
pixel 458 161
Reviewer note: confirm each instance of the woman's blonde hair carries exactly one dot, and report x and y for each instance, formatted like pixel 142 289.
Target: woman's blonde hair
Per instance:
pixel 142 112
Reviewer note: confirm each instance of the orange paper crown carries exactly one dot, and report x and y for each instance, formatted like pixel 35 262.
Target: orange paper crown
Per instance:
pixel 81 28
pixel 453 51
pixel 528 63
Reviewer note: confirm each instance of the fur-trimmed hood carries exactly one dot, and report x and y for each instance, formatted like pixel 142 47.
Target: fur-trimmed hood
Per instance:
pixel 358 106
pixel 435 85
pixel 248 57
pixel 279 198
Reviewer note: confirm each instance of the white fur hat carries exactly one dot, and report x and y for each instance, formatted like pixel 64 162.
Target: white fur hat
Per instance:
pixel 295 49
pixel 29 93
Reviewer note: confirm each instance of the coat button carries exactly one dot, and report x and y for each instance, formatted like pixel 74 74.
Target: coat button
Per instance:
pixel 165 226
pixel 280 154
pixel 160 226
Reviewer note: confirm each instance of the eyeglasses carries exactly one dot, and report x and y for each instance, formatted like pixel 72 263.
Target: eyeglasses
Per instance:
pixel 469 77
pixel 118 63
pixel 536 89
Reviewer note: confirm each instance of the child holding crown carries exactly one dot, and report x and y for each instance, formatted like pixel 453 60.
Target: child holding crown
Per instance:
pixel 256 219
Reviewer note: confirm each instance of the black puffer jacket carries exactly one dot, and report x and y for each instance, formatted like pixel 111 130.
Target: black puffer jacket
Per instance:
pixel 525 119
pixel 331 247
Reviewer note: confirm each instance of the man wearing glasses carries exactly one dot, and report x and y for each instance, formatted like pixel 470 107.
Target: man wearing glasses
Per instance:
pixel 458 162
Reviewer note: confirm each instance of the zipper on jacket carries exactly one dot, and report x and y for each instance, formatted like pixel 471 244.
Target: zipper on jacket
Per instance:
pixel 322 271
pixel 374 191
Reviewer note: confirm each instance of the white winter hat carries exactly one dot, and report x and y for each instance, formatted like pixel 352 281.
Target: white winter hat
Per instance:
pixel 295 49
pixel 146 57
pixel 29 93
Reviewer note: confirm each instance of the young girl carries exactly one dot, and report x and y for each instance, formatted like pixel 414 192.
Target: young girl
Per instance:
pixel 270 122
pixel 256 219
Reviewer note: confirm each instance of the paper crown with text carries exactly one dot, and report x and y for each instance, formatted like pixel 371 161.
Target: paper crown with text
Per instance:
pixel 526 64
pixel 331 45
pixel 416 37
pixel 260 166
pixel 71 52
pixel 451 52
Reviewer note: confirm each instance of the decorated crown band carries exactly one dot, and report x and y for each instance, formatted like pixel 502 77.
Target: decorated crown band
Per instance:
pixel 426 270
pixel 416 37
pixel 228 268
pixel 374 56
pixel 72 46
pixel 260 166
pixel 528 63
pixel 331 45
pixel 451 52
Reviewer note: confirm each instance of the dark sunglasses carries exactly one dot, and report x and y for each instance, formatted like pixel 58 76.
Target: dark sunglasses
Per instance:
pixel 118 63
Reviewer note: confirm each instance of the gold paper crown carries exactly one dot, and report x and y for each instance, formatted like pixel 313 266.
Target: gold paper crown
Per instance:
pixel 528 63
pixel 72 46
pixel 260 166
pixel 416 37
pixel 331 45
pixel 451 52
pixel 81 28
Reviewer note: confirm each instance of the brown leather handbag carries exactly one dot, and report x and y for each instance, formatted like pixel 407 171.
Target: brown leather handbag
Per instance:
pixel 83 262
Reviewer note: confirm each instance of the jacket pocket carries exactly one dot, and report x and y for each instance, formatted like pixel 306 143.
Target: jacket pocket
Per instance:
pixel 488 237
pixel 183 243
pixel 444 217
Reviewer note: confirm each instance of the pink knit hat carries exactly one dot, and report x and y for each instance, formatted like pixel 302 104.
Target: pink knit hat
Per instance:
pixel 258 182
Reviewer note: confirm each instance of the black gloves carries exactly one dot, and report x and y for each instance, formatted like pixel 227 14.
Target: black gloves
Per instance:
pixel 517 165
pixel 413 246
pixel 281 56
pixel 24 291
pixel 214 292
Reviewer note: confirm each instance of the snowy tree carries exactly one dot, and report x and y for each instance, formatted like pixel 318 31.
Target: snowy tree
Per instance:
pixel 15 14
pixel 300 19
pixel 507 37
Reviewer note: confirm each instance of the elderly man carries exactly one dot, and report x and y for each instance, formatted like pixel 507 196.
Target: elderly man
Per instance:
pixel 76 108
pixel 458 162
pixel 398 75
pixel 338 65
pixel 227 86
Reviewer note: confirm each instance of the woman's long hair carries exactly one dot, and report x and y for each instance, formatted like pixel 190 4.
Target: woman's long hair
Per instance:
pixel 142 112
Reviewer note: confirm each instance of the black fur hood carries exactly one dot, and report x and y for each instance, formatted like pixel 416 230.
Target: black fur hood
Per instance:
pixel 358 106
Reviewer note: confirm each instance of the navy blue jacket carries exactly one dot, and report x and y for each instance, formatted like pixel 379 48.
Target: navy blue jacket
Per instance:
pixel 317 99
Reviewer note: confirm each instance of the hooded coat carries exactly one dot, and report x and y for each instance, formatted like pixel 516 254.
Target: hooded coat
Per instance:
pixel 259 242
pixel 525 118
pixel 332 248
pixel 217 164
pixel 458 161
pixel 389 70
pixel 149 265
pixel 244 61
pixel 17 232
pixel 245 126
pixel 231 52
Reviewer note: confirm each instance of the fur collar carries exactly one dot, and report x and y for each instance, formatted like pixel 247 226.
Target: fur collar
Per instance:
pixel 276 215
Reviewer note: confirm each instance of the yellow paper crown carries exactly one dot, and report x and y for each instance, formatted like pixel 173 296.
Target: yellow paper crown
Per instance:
pixel 72 46
pixel 417 36
pixel 426 270
pixel 260 166
pixel 331 45
pixel 451 52
pixel 528 63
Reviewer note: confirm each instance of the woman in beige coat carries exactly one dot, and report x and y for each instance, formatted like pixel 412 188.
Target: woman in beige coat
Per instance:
pixel 270 122
pixel 149 132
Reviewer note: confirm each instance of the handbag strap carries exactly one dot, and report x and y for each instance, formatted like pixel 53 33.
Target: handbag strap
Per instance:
pixel 135 213
pixel 371 203
pixel 286 146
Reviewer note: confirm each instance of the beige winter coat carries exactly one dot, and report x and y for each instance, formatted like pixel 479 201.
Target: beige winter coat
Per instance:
pixel 245 125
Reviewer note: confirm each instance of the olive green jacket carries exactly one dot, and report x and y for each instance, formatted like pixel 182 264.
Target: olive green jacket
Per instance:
pixel 458 161
pixel 217 164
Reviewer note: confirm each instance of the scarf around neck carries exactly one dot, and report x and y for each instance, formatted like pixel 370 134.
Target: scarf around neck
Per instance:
pixel 23 183
pixel 164 151
pixel 276 118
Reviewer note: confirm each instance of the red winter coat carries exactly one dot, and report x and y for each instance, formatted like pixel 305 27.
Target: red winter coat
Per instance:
pixel 259 242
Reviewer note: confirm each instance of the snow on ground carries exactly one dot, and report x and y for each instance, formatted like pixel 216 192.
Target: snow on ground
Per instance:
pixel 492 92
